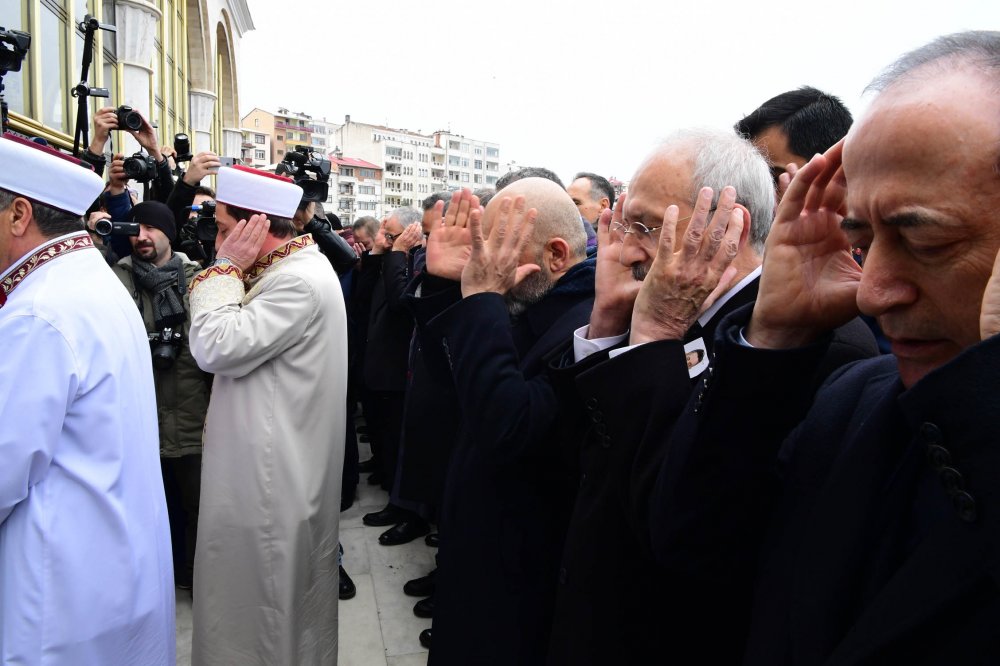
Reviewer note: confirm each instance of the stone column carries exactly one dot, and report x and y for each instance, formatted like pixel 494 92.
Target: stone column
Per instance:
pixel 232 142
pixel 202 113
pixel 137 22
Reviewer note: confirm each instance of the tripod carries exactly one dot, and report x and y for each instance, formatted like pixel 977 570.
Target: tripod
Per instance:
pixel 82 91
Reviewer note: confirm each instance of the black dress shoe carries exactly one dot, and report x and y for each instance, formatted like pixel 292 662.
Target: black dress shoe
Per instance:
pixel 375 479
pixel 425 638
pixel 404 532
pixel 432 540
pixel 370 465
pixel 424 608
pixel 347 589
pixel 390 515
pixel 420 587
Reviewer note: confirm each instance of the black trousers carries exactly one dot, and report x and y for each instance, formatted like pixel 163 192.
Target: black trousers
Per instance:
pixel 384 416
pixel 182 485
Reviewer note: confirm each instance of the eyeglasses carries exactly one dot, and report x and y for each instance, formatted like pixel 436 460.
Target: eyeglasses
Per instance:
pixel 640 231
pixel 390 238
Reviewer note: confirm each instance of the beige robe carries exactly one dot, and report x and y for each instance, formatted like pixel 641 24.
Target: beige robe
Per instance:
pixel 265 579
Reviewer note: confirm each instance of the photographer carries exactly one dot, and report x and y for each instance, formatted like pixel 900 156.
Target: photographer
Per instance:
pixel 186 188
pixel 157 173
pixel 341 255
pixel 157 278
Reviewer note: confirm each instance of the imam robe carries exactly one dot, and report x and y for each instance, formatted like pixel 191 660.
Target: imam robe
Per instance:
pixel 265 579
pixel 85 563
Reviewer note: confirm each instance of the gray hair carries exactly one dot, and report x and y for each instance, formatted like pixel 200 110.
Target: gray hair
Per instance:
pixel 979 48
pixel 722 158
pixel 407 215
pixel 51 222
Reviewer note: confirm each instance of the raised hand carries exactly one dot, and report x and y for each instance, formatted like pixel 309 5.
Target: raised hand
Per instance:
pixel 242 245
pixel 494 264
pixel 412 236
pixel 615 286
pixel 449 245
pixel 105 120
pixel 989 315
pixel 381 244
pixel 146 137
pixel 201 165
pixel 681 285
pixel 810 281
pixel 116 174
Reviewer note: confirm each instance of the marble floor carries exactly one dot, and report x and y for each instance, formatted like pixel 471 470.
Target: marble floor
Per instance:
pixel 377 627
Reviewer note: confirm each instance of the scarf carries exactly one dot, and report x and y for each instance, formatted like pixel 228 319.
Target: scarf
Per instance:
pixel 166 284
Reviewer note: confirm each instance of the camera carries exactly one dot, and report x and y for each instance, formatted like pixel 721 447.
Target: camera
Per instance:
pixel 182 148
pixel 140 167
pixel 298 164
pixel 108 227
pixel 14 45
pixel 165 344
pixel 196 238
pixel 128 118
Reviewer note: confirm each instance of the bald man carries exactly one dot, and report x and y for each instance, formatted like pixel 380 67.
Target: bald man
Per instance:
pixel 525 285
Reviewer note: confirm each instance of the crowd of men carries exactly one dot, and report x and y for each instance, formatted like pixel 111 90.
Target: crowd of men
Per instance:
pixel 650 428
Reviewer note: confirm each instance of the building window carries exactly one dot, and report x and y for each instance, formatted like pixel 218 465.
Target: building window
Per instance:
pixel 281 152
pixel 465 177
pixel 452 175
pixel 491 166
pixel 478 178
pixel 279 137
pixel 465 147
pixel 479 151
pixel 492 152
pixel 258 138
pixel 465 162
pixel 491 180
pixel 347 172
pixel 259 154
pixel 368 173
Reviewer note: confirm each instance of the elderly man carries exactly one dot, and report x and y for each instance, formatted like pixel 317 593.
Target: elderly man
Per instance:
pixel 84 542
pixel 877 539
pixel 662 306
pixel 268 319
pixel 523 290
pixel 385 272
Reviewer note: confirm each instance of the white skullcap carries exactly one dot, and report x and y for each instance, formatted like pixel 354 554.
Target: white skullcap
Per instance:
pixel 47 176
pixel 258 191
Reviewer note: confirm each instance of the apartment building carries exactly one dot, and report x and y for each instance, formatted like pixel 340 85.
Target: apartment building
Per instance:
pixel 356 187
pixel 416 164
pixel 256 148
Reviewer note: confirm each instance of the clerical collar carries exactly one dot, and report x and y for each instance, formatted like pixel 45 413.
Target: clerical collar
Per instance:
pixel 41 255
pixel 707 315
pixel 276 255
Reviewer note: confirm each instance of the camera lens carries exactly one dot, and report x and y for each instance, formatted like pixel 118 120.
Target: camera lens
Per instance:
pixel 133 121
pixel 103 227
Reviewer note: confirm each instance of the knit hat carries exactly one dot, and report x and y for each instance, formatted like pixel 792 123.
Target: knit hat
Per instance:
pixel 256 190
pixel 47 176
pixel 155 214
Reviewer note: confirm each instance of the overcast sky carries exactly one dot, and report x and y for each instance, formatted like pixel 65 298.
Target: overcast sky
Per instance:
pixel 574 86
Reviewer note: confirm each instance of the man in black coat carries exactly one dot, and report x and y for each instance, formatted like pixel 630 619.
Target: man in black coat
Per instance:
pixel 873 527
pixel 385 272
pixel 524 290
pixel 615 604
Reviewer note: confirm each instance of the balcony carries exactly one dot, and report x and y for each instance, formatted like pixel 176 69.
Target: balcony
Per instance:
pixel 294 128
